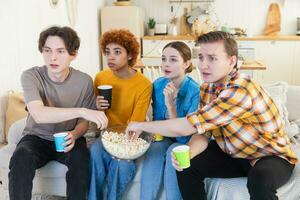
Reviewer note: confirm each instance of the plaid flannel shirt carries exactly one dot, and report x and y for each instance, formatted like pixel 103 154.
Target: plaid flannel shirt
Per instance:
pixel 243 119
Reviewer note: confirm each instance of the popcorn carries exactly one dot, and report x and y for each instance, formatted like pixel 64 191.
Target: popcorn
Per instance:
pixel 118 145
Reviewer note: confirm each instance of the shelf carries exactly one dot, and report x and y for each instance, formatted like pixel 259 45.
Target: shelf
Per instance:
pixel 252 38
pixel 253 65
pixel 191 1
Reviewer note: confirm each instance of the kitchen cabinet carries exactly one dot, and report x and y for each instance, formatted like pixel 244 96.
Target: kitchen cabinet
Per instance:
pixel 133 21
pixel 279 54
pixel 279 57
pixel 296 65
pixel 152 49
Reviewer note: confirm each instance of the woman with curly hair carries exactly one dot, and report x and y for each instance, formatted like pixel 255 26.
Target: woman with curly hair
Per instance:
pixel 131 95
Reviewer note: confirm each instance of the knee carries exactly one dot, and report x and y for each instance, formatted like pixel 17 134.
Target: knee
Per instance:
pixel 123 166
pixel 169 152
pixel 158 147
pixel 79 157
pixel 156 153
pixel 21 157
pixel 260 184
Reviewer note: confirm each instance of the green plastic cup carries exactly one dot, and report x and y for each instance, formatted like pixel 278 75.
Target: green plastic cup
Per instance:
pixel 182 154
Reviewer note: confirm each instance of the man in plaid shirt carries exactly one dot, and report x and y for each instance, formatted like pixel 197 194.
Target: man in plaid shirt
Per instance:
pixel 249 137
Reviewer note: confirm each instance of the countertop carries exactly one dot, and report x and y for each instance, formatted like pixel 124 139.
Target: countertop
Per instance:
pixel 246 65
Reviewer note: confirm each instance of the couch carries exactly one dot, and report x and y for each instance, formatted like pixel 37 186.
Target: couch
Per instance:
pixel 50 179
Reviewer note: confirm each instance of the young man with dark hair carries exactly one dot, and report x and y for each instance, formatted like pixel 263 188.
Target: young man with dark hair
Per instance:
pixel 249 137
pixel 58 98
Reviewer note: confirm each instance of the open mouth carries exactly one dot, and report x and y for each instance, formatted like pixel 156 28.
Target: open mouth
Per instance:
pixel 54 66
pixel 167 72
pixel 110 64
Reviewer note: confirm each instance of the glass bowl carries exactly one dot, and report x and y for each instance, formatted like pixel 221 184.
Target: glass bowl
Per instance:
pixel 116 143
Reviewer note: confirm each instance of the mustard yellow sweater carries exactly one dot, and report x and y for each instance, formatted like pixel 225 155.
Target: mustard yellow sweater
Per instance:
pixel 130 97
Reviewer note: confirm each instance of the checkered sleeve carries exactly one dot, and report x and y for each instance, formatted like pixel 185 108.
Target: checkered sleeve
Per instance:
pixel 231 104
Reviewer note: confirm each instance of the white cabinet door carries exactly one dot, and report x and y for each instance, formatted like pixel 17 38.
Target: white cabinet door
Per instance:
pixel 111 19
pixel 296 66
pixel 279 59
pixel 153 48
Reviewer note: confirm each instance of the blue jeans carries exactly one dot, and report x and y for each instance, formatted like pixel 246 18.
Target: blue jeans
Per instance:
pixel 170 178
pixel 153 169
pixel 116 173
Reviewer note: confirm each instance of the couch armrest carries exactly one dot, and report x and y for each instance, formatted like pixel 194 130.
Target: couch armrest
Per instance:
pixel 15 131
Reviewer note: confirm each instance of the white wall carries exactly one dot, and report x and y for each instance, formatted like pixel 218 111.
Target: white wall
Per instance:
pixel 21 22
pixel 250 14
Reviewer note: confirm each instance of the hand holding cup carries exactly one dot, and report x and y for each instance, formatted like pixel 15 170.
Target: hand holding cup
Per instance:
pixel 182 155
pixel 175 163
pixel 69 142
pixel 105 93
pixel 101 103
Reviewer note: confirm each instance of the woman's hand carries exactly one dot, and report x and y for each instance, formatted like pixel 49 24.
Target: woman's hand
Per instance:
pixel 170 93
pixel 175 163
pixel 101 103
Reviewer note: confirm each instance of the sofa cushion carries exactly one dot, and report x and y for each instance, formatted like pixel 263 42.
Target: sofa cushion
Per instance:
pixel 293 100
pixel 15 110
pixel 15 131
pixel 5 155
pixel 278 92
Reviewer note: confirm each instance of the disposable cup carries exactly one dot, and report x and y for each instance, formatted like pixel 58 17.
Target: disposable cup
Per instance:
pixel 106 92
pixel 182 154
pixel 158 137
pixel 59 139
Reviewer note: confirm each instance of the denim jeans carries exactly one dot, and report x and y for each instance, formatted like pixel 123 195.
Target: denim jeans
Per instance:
pixel 170 178
pixel 153 169
pixel 105 169
pixel 33 152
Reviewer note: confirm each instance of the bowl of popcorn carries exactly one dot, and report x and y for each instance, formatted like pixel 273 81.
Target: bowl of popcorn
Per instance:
pixel 119 146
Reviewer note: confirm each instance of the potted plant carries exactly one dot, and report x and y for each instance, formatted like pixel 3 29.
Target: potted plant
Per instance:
pixel 151 25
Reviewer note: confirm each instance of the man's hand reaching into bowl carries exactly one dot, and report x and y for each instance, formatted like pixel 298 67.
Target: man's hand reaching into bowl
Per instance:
pixel 133 130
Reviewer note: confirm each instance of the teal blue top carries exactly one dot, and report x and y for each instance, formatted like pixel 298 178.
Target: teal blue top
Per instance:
pixel 187 100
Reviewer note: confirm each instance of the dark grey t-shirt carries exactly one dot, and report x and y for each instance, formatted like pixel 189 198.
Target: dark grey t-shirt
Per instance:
pixel 76 91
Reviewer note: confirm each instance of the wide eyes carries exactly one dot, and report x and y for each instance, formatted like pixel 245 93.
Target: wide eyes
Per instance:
pixel 209 57
pixel 172 59
pixel 50 51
